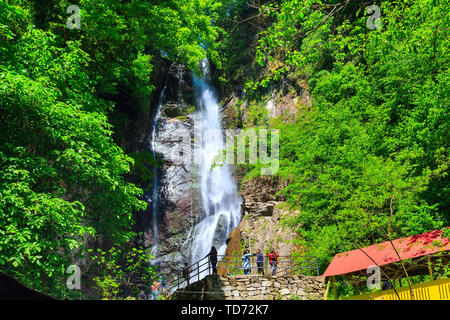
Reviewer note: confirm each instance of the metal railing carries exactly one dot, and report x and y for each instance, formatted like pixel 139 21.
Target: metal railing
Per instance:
pixel 233 265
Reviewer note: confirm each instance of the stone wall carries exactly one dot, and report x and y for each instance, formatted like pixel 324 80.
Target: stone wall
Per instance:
pixel 253 287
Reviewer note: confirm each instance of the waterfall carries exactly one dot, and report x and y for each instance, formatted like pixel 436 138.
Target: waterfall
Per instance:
pixel 221 203
pixel 154 197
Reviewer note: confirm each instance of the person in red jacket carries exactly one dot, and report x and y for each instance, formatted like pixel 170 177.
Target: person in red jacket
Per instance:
pixel 273 260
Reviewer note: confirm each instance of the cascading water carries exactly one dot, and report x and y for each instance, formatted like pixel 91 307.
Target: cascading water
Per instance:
pixel 217 211
pixel 154 196
pixel 221 202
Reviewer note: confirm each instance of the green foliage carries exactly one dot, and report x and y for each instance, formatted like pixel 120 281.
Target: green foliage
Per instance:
pixel 62 175
pixel 179 112
pixel 120 35
pixel 257 114
pixel 122 270
pixel 440 266
pixel 142 170
pixel 60 168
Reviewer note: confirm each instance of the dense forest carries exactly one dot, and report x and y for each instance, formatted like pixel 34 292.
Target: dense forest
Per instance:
pixel 366 161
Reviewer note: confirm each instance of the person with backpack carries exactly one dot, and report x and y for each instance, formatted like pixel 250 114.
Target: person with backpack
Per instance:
pixel 273 260
pixel 260 262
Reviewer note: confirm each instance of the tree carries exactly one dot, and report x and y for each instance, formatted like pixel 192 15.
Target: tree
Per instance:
pixel 125 271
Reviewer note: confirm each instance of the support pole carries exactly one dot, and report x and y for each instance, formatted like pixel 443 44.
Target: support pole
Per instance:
pixel 328 289
pixel 334 288
pixel 381 282
pixel 429 268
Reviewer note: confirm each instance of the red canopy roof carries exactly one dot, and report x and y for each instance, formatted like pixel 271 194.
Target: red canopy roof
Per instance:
pixel 383 253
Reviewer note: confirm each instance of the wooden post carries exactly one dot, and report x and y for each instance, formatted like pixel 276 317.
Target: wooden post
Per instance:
pixel 328 289
pixel 429 268
pixel 334 287
pixel 380 281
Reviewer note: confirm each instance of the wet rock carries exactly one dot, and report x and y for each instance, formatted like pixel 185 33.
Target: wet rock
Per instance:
pixel 258 208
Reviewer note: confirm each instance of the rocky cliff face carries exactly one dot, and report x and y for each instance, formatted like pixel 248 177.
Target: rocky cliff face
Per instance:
pixel 284 103
pixel 263 214
pixel 176 191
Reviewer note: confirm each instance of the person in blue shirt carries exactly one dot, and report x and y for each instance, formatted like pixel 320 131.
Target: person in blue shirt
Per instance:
pixel 260 262
pixel 246 262
pixel 163 283
pixel 142 295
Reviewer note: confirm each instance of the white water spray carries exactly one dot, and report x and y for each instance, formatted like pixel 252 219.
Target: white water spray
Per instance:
pixel 221 202
pixel 155 208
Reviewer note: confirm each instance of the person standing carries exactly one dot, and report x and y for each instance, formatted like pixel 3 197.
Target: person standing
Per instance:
pixel 273 260
pixel 186 272
pixel 246 262
pixel 162 281
pixel 142 295
pixel 260 262
pixel 155 292
pixel 213 259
